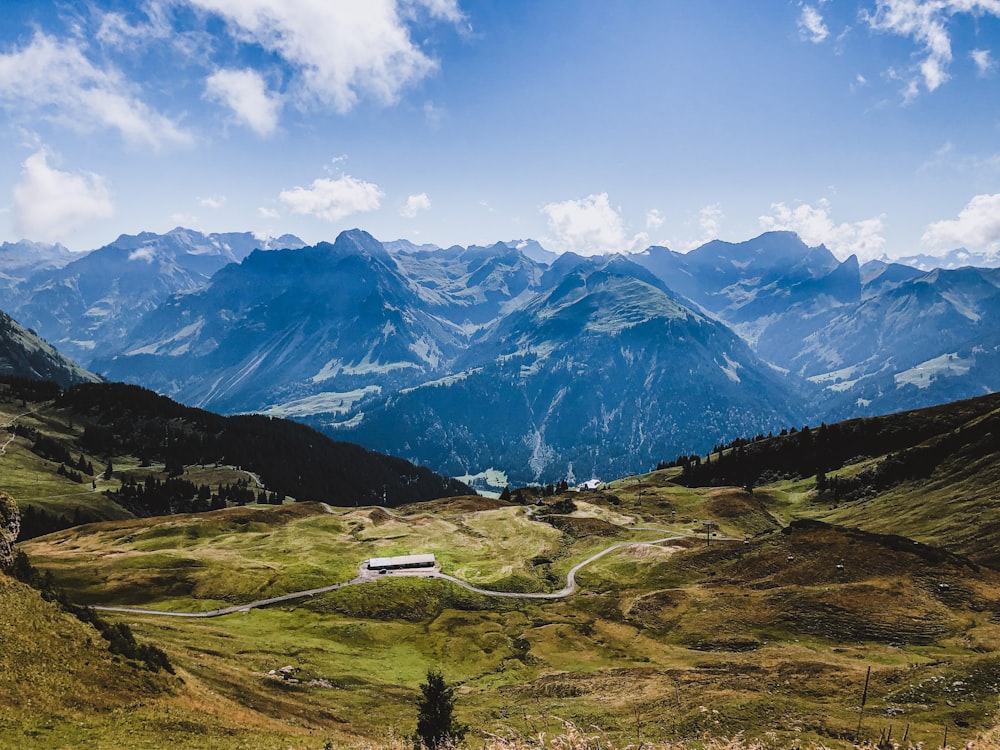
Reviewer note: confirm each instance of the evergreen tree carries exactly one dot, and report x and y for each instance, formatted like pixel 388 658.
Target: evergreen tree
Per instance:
pixel 436 724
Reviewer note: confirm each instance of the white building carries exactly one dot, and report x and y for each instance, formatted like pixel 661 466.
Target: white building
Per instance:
pixel 590 484
pixel 402 562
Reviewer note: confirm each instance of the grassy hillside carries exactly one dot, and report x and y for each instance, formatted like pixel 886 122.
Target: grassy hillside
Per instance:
pixel 61 688
pixel 725 612
pixel 56 446
pixel 664 641
pixel 931 474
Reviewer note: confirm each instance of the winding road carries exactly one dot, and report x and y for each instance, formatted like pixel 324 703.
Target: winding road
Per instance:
pixel 365 577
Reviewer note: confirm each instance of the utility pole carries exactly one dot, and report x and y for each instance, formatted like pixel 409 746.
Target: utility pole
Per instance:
pixel 861 711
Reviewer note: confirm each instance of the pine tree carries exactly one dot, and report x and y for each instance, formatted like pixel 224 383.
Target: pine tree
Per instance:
pixel 436 725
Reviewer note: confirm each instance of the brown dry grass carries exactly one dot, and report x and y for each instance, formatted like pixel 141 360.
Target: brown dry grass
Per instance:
pixel 574 738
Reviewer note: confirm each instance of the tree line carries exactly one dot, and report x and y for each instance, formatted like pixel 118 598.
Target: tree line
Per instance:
pixel 911 444
pixel 290 458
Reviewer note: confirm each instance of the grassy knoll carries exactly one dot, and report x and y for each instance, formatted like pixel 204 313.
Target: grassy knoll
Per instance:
pixel 242 554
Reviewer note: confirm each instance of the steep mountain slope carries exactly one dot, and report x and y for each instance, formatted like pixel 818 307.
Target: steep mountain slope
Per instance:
pixel 927 340
pixel 293 331
pixel 24 355
pixel 89 305
pixel 338 334
pixel 605 374
pixel 877 338
pixel 56 670
pixel 930 474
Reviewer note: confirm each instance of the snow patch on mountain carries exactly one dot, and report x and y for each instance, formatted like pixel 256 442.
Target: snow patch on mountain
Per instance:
pixel 330 370
pixel 730 368
pixel 174 346
pixel 837 380
pixel 366 366
pixel 944 366
pixel 335 403
pixel 427 351
pixel 445 381
pixel 347 424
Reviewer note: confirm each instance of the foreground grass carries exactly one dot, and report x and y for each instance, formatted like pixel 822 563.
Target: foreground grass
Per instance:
pixel 767 641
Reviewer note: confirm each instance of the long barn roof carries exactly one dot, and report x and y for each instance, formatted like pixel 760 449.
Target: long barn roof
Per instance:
pixel 401 561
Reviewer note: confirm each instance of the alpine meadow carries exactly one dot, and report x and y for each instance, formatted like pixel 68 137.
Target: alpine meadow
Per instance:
pixel 462 375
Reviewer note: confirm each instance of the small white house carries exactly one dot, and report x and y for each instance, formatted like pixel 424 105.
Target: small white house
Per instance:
pixel 590 484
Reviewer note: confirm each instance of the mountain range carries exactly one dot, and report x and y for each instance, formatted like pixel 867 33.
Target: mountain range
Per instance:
pixel 508 357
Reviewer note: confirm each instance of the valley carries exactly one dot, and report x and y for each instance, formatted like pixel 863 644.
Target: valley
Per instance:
pixel 712 612
pixel 492 375
pixel 739 592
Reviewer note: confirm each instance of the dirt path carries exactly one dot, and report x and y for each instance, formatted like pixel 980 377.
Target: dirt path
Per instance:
pixel 7 428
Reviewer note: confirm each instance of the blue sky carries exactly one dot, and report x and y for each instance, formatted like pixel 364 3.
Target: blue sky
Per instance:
pixel 591 125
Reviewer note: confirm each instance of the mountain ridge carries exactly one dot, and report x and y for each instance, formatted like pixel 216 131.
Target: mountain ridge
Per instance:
pixel 337 333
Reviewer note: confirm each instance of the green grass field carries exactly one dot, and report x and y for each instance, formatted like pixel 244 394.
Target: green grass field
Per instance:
pixel 662 641
pixel 765 630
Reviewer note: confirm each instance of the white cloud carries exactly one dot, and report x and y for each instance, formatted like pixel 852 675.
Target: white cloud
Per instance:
pixel 117 31
pixel 212 202
pixel 814 225
pixel 710 219
pixel 148 254
pixel 58 79
pixel 926 22
pixel 976 228
pixel 709 226
pixel 332 200
pixel 811 25
pixel 948 156
pixel 589 226
pixel 245 93
pixel 414 205
pixel 985 64
pixel 446 10
pixel 342 50
pixel 268 213
pixel 50 204
pixel 433 115
pixel 654 219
